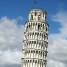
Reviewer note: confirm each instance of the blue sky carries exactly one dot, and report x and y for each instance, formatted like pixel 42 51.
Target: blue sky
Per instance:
pixel 14 13
pixel 15 8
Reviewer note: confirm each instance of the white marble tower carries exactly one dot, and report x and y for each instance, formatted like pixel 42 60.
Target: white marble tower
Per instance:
pixel 35 40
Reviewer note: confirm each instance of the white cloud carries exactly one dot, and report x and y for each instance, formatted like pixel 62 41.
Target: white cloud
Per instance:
pixel 11 40
pixel 58 43
pixel 10 57
pixel 19 18
pixel 61 17
pixel 52 63
pixel 10 34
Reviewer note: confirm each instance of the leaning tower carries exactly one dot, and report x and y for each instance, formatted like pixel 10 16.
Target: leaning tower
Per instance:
pixel 35 40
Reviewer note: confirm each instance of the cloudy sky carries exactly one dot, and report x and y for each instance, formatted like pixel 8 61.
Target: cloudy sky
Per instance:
pixel 14 13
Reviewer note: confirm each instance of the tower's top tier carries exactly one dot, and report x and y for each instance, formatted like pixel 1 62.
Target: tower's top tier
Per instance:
pixel 37 15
